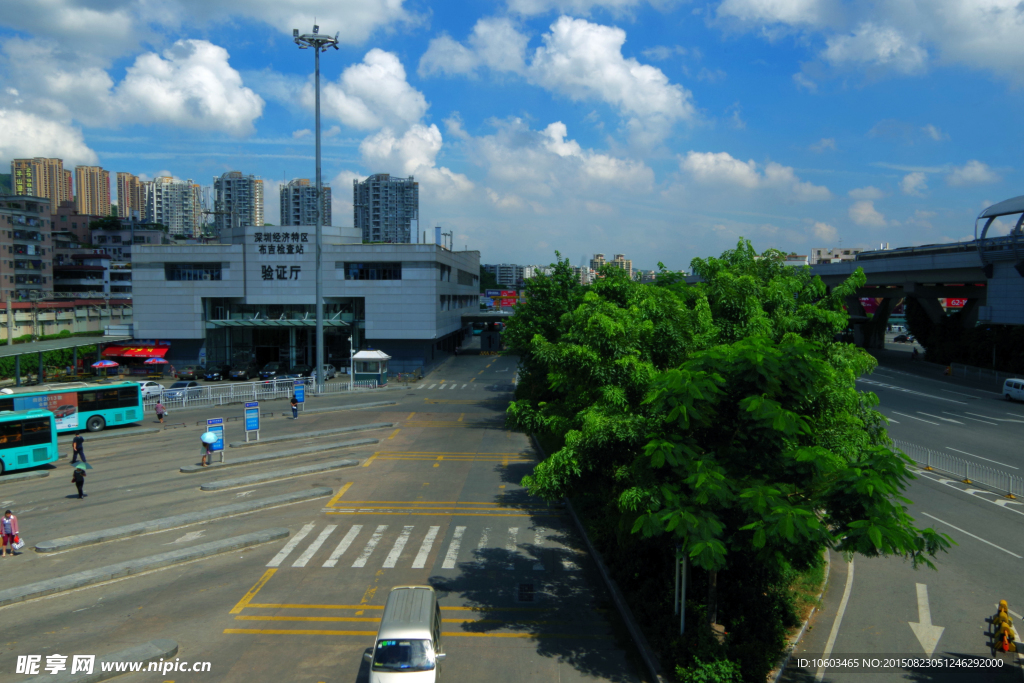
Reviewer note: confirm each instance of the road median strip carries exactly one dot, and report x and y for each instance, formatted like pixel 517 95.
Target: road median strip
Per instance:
pixel 103 535
pixel 144 564
pixel 249 459
pixel 354 406
pixel 22 476
pixel 162 648
pixel 277 474
pixel 314 435
pixel 114 434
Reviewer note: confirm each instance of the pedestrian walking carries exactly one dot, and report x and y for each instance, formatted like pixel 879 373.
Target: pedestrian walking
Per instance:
pixel 295 407
pixel 77 449
pixel 8 532
pixel 207 454
pixel 78 479
pixel 160 411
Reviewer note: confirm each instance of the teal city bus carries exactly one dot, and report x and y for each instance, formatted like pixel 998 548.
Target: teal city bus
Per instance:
pixel 79 405
pixel 28 438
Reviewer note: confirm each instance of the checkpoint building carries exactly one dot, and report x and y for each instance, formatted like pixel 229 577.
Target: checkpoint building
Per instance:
pixel 253 297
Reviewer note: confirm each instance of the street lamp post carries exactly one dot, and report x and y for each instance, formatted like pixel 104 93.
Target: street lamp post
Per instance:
pixel 319 44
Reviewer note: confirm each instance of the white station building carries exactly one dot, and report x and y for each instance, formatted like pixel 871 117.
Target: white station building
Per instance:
pixel 253 297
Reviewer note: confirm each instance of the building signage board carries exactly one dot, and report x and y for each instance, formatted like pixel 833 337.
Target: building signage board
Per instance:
pixel 216 425
pixel 281 244
pixel 252 419
pixel 493 293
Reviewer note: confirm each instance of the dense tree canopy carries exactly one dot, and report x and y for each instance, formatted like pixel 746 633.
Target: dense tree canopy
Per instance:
pixel 721 415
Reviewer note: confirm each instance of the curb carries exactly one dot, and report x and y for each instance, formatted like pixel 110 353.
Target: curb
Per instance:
pixel 89 577
pixel 22 476
pixel 786 658
pixel 162 648
pixel 354 406
pixel 113 434
pixel 273 476
pixel 234 462
pixel 313 435
pixel 646 653
pixel 164 523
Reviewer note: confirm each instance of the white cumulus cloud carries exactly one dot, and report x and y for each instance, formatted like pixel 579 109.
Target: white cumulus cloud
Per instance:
pixel 914 184
pixel 23 134
pixel 495 43
pixel 877 46
pixel 534 7
pixel 414 153
pixel 721 168
pixel 373 94
pixel 793 12
pixel 864 213
pixel 824 232
pixel 973 172
pixel 869 192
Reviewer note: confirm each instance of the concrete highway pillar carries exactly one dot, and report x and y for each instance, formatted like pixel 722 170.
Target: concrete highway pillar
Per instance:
pixel 970 313
pixel 932 307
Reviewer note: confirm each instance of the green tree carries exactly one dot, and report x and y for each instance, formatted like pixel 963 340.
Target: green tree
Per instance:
pixel 487 280
pixel 105 223
pixel 721 417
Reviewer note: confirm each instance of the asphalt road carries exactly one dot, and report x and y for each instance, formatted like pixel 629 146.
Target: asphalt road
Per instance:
pixel 436 501
pixel 887 599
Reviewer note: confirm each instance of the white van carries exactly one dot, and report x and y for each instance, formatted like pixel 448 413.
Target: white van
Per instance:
pixel 408 647
pixel 1013 389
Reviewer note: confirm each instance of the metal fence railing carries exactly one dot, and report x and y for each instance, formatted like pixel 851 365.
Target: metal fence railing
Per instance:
pixel 961 370
pixel 964 470
pixel 211 395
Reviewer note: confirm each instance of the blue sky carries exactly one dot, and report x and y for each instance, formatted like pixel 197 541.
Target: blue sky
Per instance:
pixel 664 130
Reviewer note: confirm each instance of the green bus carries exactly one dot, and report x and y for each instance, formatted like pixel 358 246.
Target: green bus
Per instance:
pixel 28 438
pixel 79 405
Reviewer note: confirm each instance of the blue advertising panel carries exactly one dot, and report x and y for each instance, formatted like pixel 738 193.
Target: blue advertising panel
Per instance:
pixel 300 391
pixel 252 416
pixel 493 293
pixel 216 425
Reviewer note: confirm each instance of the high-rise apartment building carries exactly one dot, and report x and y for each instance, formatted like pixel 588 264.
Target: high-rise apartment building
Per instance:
pixel 620 261
pixel 26 245
pixel 597 262
pixel 298 203
pixel 238 200
pixel 42 177
pixel 131 197
pixel 386 209
pixel 93 190
pixel 176 204
pixel 506 274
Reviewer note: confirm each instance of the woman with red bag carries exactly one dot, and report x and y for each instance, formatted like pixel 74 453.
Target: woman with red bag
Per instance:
pixel 9 529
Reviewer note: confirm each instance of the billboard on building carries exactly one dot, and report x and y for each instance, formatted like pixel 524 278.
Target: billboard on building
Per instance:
pixel 956 303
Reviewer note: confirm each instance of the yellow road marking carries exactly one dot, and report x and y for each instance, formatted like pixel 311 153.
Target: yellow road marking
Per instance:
pixel 461 415
pixel 370 459
pixel 443 608
pixel 482 372
pixel 502 486
pixel 371 590
pixel 439 459
pixel 473 380
pixel 452 634
pixel 340 494
pixel 377 620
pixel 244 602
pixel 395 432
pixel 410 416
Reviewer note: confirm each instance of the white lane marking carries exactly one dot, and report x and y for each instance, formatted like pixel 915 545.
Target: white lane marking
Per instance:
pixel 835 624
pixel 981 458
pixel 455 386
pixel 973 419
pixel 482 544
pixel 428 543
pixel 927 633
pixel 511 546
pixel 432 386
pixel 950 391
pixel 370 545
pixel 243 494
pixel 917 418
pixel 895 422
pixel 187 538
pixel 979 538
pixel 463 386
pixel 392 559
pixel 332 561
pixel 453 548
pixel 947 419
pixel 290 545
pixel 997 419
pixel 538 545
pixel 908 391
pixel 305 557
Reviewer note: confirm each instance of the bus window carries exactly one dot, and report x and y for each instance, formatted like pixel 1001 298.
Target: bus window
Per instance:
pixel 128 397
pixel 36 432
pixel 87 401
pixel 10 435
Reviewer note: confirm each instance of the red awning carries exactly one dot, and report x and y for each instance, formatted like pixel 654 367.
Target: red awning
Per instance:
pixel 137 351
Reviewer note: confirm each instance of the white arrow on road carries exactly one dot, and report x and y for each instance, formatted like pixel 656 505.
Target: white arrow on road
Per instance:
pixel 927 634
pixel 189 537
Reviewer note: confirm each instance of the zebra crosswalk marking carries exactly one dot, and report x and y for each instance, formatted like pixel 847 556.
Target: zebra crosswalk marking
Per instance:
pixel 332 561
pixel 314 546
pixel 455 386
pixel 511 545
pixel 432 386
pixel 538 543
pixel 482 544
pixel 290 545
pixel 368 550
pixel 428 543
pixel 392 559
pixel 453 548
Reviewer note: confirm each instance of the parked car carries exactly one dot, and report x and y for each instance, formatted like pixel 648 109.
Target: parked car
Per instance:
pixel 329 372
pixel 244 371
pixel 216 373
pixel 189 372
pixel 901 338
pixel 301 369
pixel 273 370
pixel 150 388
pixel 183 390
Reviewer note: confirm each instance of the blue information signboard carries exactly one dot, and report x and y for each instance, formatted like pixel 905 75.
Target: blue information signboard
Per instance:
pixel 252 416
pixel 216 425
pixel 300 391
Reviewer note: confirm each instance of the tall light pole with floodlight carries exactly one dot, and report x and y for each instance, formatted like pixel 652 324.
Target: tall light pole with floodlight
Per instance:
pixel 319 44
